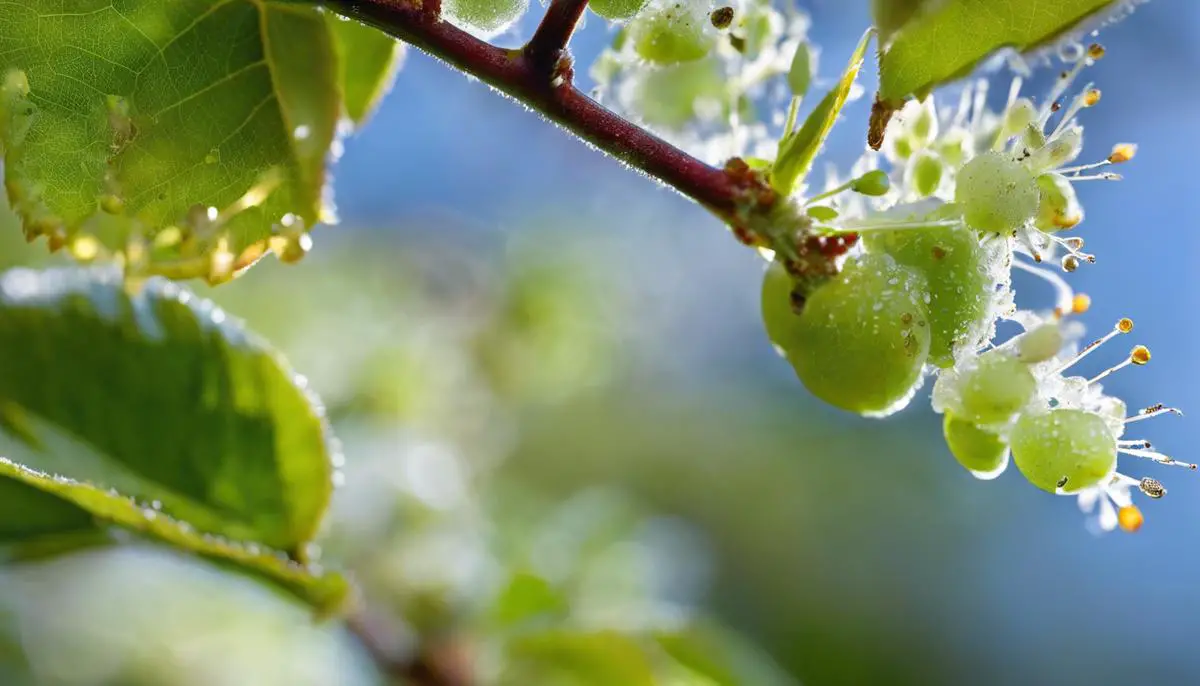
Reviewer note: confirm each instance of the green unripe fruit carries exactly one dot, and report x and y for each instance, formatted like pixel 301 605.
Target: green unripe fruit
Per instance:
pixel 1058 207
pixel 863 337
pixel 668 96
pixel 1040 344
pixel 487 17
pixel 954 146
pixel 1063 450
pixel 874 183
pixel 996 192
pixel 617 9
pixel 961 275
pixel 997 387
pixel 925 173
pixel 670 35
pixel 981 452
pixel 779 316
pixel 923 128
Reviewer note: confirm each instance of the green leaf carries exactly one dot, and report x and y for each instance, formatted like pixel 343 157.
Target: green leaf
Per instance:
pixel 891 15
pixel 43 504
pixel 167 401
pixel 368 60
pixel 946 41
pixel 560 656
pixel 29 515
pixel 527 596
pixel 798 149
pixel 121 117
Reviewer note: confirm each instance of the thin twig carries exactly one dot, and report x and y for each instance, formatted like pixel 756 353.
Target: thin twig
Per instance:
pixel 517 73
pixel 547 49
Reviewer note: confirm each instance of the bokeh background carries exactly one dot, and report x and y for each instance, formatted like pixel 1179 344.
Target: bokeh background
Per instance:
pixel 539 360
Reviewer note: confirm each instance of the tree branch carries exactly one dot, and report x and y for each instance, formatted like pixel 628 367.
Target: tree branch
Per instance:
pixel 421 669
pixel 519 74
pixel 549 43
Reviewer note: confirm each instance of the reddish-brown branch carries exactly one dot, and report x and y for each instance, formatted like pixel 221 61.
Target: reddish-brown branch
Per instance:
pixel 521 75
pixel 547 49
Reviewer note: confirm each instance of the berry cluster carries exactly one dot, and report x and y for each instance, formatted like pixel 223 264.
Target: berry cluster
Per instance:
pixel 902 269
pixel 972 196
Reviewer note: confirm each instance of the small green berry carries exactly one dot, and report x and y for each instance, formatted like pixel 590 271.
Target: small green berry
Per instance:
pixel 961 274
pixel 997 193
pixel 616 9
pixel 670 35
pixel 1040 344
pixel 981 452
pixel 998 387
pixel 1064 450
pixel 863 337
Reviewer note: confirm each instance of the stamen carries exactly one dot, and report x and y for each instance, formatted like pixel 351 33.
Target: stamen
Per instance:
pixel 1153 411
pixel 1072 246
pixel 1090 96
pixel 1085 167
pixel 1106 176
pixel 1123 326
pixel 963 112
pixel 1138 443
pixel 1060 86
pixel 1070 263
pixel 1139 355
pixel 1081 303
pixel 1014 89
pixel 1156 456
pixel 1095 51
pixel 1026 239
pixel 1122 152
pixel 979 105
pixel 1130 518
pixel 1065 295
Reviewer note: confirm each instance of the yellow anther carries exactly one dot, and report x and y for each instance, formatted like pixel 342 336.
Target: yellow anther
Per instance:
pixel 1081 303
pixel 1130 518
pixel 1095 51
pixel 1125 325
pixel 1122 152
pixel 1139 355
pixel 1091 97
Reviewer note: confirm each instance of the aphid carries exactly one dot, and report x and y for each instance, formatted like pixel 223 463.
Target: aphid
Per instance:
pixel 722 17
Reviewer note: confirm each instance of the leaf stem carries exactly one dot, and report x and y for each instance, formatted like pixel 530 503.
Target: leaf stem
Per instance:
pixel 521 75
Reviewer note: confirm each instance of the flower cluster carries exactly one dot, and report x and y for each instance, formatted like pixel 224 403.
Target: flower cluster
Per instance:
pixel 900 270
